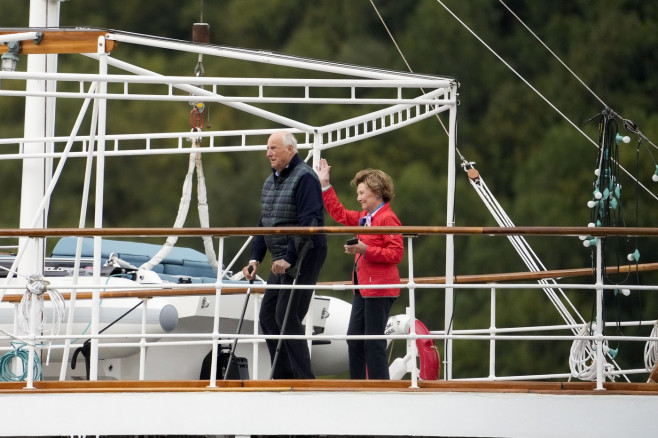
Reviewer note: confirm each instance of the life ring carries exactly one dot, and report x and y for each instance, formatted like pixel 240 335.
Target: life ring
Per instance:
pixel 427 351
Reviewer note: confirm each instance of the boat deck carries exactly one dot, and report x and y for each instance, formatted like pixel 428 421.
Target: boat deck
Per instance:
pixel 299 407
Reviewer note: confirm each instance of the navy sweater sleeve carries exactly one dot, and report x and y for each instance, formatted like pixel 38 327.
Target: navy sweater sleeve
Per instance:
pixel 309 202
pixel 258 248
pixel 310 209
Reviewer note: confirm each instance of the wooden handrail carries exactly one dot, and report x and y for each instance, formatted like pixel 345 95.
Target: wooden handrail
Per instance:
pixel 256 231
pixel 331 385
pixel 556 273
pixel 460 279
pixel 145 293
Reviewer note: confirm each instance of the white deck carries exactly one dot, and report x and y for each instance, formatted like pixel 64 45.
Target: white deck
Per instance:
pixel 492 410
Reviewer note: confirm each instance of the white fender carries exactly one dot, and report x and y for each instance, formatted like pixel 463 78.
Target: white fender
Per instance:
pixel 427 352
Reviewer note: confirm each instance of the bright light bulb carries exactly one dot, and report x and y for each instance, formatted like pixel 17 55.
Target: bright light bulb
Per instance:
pixel 625 292
pixel 654 178
pixel 597 172
pixel 591 204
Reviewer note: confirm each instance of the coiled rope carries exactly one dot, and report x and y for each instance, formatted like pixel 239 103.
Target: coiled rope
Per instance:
pixel 37 286
pixel 7 373
pixel 651 350
pixel 582 357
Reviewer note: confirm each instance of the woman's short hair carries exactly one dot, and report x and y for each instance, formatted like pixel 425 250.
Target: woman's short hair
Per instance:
pixel 377 181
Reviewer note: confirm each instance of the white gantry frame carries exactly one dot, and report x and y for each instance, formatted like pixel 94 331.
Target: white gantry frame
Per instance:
pixel 410 98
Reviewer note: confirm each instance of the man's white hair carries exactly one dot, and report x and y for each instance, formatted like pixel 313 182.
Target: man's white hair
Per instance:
pixel 289 140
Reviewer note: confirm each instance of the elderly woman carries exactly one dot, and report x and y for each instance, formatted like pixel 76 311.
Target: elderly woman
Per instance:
pixel 376 257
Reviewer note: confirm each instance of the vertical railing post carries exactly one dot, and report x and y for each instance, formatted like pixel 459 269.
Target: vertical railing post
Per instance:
pixel 142 341
pixel 98 209
pixel 255 345
pixel 16 366
pixel 317 142
pixel 34 317
pixel 492 332
pixel 600 357
pixel 215 328
pixel 412 314
pixel 310 321
pixel 450 222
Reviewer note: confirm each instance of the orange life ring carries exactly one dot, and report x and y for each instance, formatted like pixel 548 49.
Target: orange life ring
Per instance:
pixel 428 354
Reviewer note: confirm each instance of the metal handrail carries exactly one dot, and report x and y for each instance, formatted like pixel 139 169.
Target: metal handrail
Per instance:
pixel 460 282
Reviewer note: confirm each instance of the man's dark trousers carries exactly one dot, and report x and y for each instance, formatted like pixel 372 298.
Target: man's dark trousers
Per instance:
pixel 294 360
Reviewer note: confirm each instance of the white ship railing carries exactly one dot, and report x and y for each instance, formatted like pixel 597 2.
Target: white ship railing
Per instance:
pixel 409 98
pixel 492 334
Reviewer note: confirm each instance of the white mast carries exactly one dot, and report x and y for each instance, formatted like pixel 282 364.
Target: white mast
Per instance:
pixel 39 122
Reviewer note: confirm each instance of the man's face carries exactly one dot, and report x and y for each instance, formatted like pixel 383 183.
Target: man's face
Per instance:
pixel 278 154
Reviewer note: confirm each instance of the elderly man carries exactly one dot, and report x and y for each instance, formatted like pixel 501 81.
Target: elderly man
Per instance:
pixel 291 196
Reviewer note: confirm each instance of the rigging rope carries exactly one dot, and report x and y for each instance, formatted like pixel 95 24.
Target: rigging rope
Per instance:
pixel 201 34
pixel 493 52
pixel 552 53
pixel 519 243
pixel 579 366
pixel 634 129
pixel 403 58
pixel 582 357
pixel 628 124
pixel 202 199
pixel 522 247
pixel 542 96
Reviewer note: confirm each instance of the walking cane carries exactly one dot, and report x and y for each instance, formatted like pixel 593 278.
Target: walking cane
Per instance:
pixel 244 309
pixel 293 272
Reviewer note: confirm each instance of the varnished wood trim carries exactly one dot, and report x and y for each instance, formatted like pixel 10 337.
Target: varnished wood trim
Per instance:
pixel 145 293
pixel 521 276
pixel 61 41
pixel 404 230
pixel 331 385
pixel 469 279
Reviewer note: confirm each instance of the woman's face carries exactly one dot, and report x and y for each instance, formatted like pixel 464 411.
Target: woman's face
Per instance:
pixel 367 198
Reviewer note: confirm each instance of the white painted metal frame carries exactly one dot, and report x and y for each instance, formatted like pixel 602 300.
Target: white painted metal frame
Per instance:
pixel 492 334
pixel 400 112
pixel 442 96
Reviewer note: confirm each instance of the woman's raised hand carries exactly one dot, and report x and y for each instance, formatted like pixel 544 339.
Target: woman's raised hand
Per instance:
pixel 323 171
